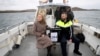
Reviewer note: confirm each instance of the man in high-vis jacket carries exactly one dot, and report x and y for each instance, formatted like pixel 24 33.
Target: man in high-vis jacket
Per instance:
pixel 65 34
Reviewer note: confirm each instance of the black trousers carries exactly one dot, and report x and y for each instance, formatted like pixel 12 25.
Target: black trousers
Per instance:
pixel 63 44
pixel 76 42
pixel 64 48
pixel 49 50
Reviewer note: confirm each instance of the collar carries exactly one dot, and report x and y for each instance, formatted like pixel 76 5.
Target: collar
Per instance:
pixel 63 21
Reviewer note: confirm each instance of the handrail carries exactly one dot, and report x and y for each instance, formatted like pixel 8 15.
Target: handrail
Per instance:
pixel 88 25
pixel 10 27
pixel 7 29
pixel 6 43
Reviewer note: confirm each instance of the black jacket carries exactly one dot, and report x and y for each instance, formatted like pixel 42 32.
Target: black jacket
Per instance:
pixel 64 32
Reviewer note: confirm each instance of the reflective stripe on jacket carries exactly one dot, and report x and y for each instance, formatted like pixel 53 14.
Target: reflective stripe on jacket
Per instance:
pixel 64 25
pixel 65 30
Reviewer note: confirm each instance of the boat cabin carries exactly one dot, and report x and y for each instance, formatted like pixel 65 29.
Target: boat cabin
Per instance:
pixel 48 10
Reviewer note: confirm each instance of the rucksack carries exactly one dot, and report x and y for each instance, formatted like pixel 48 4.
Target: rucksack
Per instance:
pixel 81 37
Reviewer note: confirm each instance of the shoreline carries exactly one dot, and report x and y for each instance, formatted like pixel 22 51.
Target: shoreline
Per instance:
pixel 16 11
pixel 33 10
pixel 85 10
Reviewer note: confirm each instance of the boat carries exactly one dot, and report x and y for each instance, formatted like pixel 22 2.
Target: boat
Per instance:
pixel 20 41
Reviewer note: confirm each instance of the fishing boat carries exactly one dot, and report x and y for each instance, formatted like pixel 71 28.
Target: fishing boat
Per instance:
pixel 20 41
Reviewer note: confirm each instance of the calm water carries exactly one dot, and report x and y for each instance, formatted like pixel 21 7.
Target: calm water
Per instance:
pixel 87 17
pixel 9 19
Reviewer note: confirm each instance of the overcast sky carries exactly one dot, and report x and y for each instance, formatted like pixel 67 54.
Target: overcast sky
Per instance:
pixel 31 4
pixel 94 4
pixel 88 4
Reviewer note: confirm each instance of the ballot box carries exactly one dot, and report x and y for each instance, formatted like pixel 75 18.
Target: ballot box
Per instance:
pixel 53 33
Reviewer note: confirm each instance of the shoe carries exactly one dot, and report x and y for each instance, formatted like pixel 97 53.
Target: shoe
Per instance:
pixel 16 46
pixel 49 54
pixel 78 53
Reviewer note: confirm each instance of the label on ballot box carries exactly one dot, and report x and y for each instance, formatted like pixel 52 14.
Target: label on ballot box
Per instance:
pixel 54 36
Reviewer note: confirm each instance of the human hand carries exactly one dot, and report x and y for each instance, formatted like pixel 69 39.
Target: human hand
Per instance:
pixel 70 40
pixel 43 35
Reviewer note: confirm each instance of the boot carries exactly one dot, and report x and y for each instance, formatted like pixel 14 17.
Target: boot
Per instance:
pixel 77 52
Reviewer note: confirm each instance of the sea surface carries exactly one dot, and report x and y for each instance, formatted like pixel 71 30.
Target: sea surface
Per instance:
pixel 10 19
pixel 88 17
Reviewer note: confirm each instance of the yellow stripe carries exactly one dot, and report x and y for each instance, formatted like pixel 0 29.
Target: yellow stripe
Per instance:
pixel 62 24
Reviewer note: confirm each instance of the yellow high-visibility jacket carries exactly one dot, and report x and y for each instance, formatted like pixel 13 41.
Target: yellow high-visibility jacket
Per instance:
pixel 65 28
pixel 60 23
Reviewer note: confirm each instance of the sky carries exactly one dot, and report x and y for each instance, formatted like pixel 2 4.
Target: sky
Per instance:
pixel 88 4
pixel 32 4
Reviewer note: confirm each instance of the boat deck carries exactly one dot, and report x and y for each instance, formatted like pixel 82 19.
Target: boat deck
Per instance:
pixel 28 48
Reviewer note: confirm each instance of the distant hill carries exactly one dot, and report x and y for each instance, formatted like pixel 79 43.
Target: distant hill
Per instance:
pixel 13 11
pixel 81 9
pixel 33 10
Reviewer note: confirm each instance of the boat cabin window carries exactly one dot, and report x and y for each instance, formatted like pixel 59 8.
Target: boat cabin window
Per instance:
pixel 49 11
pixel 52 14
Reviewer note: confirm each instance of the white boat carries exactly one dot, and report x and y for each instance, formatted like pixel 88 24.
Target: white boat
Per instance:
pixel 24 32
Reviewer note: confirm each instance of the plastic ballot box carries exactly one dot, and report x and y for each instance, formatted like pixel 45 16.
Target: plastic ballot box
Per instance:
pixel 53 33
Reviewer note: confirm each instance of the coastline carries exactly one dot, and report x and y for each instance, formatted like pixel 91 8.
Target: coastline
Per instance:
pixel 81 9
pixel 16 11
pixel 85 10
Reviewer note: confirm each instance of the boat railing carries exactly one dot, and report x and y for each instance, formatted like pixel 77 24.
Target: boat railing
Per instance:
pixel 10 27
pixel 20 28
pixel 93 30
pixel 12 35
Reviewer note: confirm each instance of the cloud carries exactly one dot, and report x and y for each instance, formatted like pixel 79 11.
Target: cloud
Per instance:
pixel 31 4
pixel 18 4
pixel 85 3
